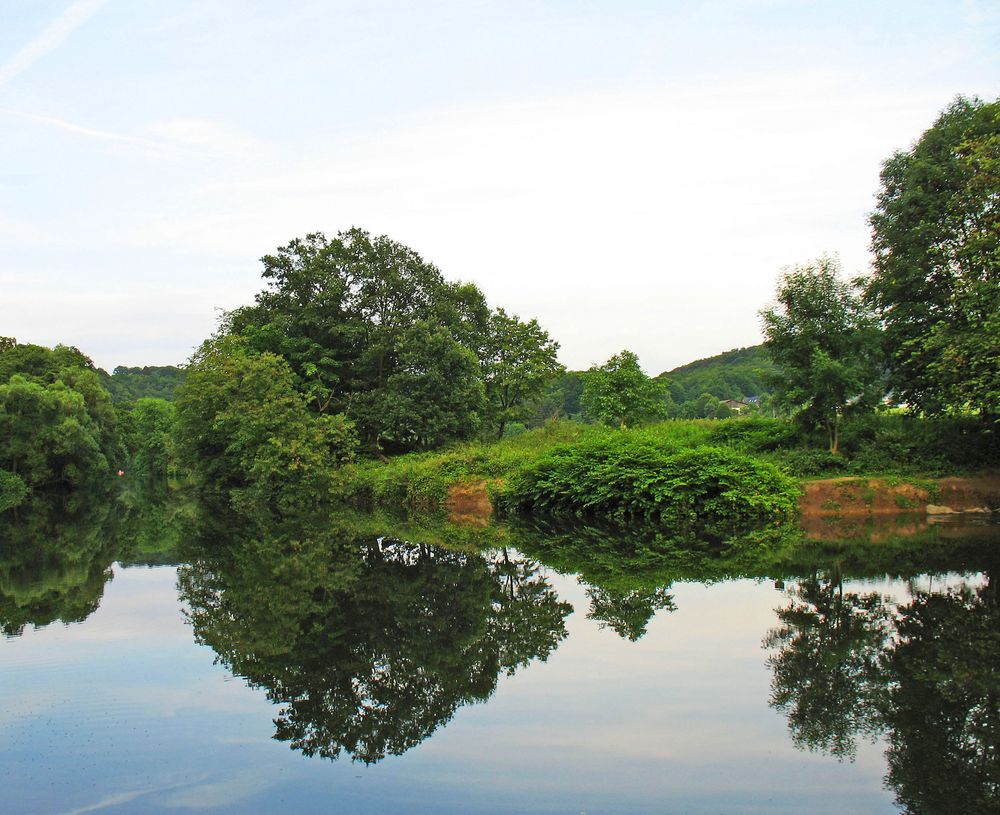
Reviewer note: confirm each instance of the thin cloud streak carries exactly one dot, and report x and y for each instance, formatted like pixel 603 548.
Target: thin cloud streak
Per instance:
pixel 50 38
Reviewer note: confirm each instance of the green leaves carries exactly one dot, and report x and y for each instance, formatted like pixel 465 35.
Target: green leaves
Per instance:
pixel 519 361
pixel 244 431
pixel 619 394
pixel 57 424
pixel 826 346
pixel 936 237
pixel 626 478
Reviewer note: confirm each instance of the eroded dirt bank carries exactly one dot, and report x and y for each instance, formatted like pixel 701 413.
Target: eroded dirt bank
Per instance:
pixel 865 501
pixel 878 496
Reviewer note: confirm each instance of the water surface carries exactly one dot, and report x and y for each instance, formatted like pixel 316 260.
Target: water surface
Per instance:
pixel 312 669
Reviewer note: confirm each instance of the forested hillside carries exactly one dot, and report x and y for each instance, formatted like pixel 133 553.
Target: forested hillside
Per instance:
pixel 150 381
pixel 736 374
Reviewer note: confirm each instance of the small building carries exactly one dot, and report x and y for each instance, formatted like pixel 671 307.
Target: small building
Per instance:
pixel 735 405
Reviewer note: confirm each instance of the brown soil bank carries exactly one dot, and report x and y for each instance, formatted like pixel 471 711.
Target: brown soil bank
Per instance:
pixel 859 501
pixel 852 497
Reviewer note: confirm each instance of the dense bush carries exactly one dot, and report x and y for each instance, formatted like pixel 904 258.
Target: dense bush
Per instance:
pixel 12 490
pixel 887 443
pixel 754 434
pixel 626 478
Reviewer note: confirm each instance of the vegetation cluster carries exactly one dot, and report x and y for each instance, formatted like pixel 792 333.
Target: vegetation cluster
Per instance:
pixel 358 350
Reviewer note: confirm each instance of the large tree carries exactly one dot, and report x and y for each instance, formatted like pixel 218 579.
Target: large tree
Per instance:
pixel 936 279
pixel 57 425
pixel 434 394
pixel 826 346
pixel 247 435
pixel 343 314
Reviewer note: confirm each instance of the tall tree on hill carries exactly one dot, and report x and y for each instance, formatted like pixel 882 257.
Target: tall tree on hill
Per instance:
pixel 936 280
pixel 826 345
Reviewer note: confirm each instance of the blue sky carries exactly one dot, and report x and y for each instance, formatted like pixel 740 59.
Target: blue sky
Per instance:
pixel 633 174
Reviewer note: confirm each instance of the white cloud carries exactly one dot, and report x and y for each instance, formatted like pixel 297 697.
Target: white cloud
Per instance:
pixel 660 217
pixel 49 39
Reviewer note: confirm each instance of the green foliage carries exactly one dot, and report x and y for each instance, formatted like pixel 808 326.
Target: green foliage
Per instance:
pixel 434 395
pixel 148 382
pixel 247 434
pixel 627 478
pixel 57 423
pixel 147 428
pixel 519 361
pixel 936 237
pixel 754 434
pixel 907 444
pixel 13 490
pixel 371 330
pixel 618 393
pixel 738 374
pixel 826 347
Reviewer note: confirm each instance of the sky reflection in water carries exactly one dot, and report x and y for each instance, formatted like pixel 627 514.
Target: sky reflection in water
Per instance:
pixel 124 712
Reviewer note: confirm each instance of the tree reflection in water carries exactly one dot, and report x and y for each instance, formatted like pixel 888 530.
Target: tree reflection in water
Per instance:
pixel 827 673
pixel 368 646
pixel 925 673
pixel 55 558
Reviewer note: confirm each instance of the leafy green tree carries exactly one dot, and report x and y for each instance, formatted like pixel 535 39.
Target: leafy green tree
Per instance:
pixel 434 394
pixel 618 393
pixel 246 433
pixel 342 312
pixel 148 428
pixel 57 424
pixel 936 238
pixel 150 381
pixel 561 399
pixel 47 437
pixel 519 361
pixel 826 346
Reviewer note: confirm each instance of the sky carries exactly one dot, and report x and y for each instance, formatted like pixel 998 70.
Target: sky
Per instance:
pixel 633 174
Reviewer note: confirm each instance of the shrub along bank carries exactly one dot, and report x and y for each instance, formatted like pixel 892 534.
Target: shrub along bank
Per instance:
pixel 677 472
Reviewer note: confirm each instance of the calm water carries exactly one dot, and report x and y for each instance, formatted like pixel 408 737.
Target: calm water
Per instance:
pixel 315 668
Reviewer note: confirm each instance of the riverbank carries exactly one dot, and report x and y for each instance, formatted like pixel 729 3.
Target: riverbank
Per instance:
pixel 758 467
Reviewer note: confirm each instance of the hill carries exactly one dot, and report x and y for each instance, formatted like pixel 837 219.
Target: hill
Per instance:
pixel 737 374
pixel 129 384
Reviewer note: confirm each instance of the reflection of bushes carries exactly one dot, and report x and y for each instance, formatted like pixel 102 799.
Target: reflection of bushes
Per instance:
pixel 12 490
pixel 56 550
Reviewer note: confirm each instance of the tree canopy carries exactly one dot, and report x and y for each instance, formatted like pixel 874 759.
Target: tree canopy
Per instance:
pixel 58 427
pixel 825 345
pixel 936 277
pixel 371 330
pixel 619 393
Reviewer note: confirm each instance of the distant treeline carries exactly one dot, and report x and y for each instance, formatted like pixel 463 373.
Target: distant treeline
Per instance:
pixel 149 381
pixel 697 390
